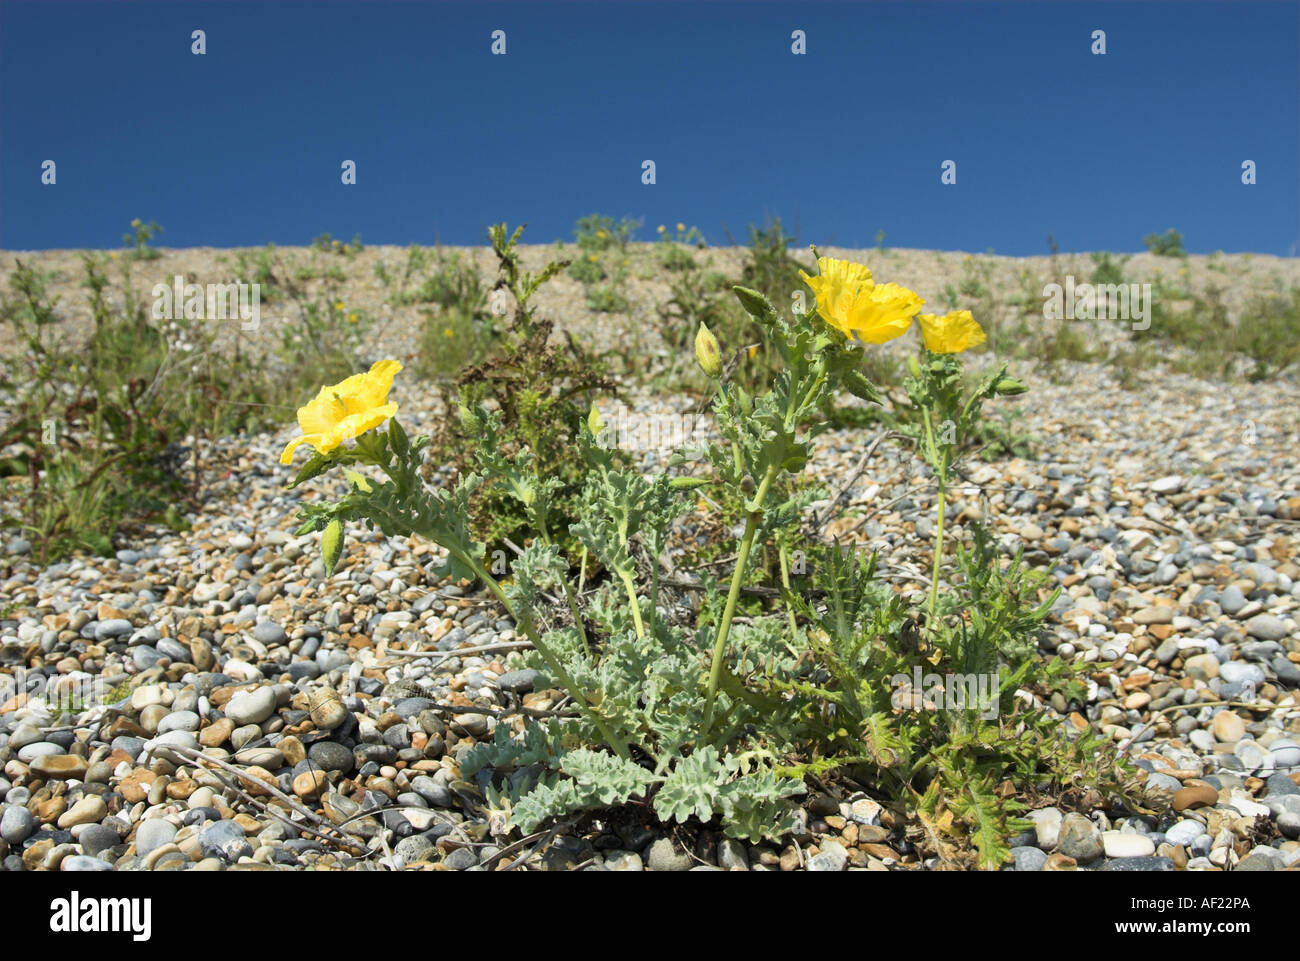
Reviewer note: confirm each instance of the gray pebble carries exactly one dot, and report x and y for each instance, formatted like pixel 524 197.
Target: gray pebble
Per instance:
pixel 153 833
pixel 664 857
pixel 16 824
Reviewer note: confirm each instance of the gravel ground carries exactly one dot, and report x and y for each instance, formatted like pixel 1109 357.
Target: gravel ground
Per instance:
pixel 1170 515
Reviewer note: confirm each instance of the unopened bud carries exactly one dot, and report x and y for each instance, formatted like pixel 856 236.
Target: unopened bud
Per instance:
pixel 331 545
pixel 707 352
pixel 595 423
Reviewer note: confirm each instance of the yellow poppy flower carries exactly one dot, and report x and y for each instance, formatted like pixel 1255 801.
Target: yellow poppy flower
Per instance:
pixel 136 223
pixel 681 228
pixel 346 410
pixel 662 228
pixel 338 305
pixel 852 302
pixel 952 333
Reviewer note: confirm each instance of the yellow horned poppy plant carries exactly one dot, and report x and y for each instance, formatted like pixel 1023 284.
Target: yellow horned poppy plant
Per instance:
pixel 346 410
pixel 952 333
pixel 850 300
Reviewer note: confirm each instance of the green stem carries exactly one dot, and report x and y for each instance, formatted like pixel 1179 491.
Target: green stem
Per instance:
pixel 785 582
pixel 939 461
pixel 938 549
pixel 630 586
pixel 737 578
pixel 617 743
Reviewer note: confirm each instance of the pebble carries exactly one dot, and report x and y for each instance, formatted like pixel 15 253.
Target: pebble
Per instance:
pixel 331 756
pixel 1047 827
pixel 1080 839
pixel 16 824
pixel 1267 627
pixel 153 833
pixel 86 811
pixel 831 857
pixel 1194 796
pixel 251 707
pixel 1153 863
pixel 1119 844
pixel 1028 858
pixel 663 856
pixel 326 709
pixel 1229 727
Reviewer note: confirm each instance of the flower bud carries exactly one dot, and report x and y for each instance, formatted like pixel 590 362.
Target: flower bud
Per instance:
pixel 707 352
pixel 914 366
pixel 595 423
pixel 1009 386
pixel 331 545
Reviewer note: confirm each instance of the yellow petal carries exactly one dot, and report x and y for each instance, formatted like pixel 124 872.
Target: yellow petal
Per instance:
pixel 293 445
pixel 348 409
pixel 952 333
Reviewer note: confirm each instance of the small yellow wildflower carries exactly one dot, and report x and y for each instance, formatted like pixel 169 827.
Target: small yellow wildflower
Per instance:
pixel 447 331
pixel 681 227
pixel 851 301
pixel 346 410
pixel 952 333
pixel 593 258
pixel 662 229
pixel 338 305
pixel 136 223
pixel 352 317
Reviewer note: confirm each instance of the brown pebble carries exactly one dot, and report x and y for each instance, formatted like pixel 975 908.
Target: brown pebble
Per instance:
pixel 310 784
pixel 1194 796
pixel 216 734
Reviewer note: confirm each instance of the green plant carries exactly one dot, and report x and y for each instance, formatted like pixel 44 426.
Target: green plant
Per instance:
pixel 673 247
pixel 399 285
pixel 138 240
pixel 94 433
pixel 259 268
pixel 1168 244
pixel 1106 269
pixel 692 709
pixel 611 295
pixel 542 390
pixel 597 233
pixel 328 245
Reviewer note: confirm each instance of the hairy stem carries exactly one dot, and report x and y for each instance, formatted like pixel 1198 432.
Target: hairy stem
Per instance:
pixel 630 586
pixel 785 582
pixel 611 738
pixel 737 578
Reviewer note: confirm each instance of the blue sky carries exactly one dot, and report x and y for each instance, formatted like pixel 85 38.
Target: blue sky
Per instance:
pixel 243 145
